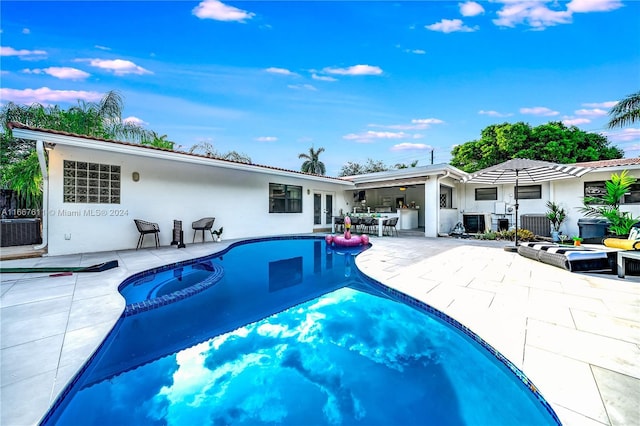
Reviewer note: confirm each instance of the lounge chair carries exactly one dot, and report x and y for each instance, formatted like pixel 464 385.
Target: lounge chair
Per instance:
pixel 574 259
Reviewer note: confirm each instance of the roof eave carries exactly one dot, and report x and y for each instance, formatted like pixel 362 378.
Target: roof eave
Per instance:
pixel 143 151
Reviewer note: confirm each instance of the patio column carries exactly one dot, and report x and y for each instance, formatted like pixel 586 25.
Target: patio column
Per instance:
pixel 431 207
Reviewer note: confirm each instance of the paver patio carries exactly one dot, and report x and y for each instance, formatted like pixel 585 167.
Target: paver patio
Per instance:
pixel 575 335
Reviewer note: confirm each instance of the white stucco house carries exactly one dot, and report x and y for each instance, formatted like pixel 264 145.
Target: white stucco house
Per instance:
pixel 93 189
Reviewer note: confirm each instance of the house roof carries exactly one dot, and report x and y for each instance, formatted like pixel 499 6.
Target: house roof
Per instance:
pixel 618 162
pixel 403 177
pixel 65 138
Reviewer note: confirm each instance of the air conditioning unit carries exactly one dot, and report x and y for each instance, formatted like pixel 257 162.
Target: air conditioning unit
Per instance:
pixel 536 223
pixel 476 223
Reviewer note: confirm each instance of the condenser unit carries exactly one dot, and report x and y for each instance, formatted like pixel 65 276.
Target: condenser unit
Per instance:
pixel 536 223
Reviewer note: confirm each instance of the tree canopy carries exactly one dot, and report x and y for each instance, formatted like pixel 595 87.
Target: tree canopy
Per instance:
pixel 205 148
pixel 552 142
pixel 371 166
pixel 312 163
pixel 625 112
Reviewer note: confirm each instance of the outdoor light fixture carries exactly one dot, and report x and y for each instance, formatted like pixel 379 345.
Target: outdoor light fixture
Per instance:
pixel 403 188
pixel 135 176
pixel 49 146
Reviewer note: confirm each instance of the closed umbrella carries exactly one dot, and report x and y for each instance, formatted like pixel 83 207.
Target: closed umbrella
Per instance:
pixel 523 171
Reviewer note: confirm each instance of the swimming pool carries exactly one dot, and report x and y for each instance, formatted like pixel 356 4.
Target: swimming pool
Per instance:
pixel 288 331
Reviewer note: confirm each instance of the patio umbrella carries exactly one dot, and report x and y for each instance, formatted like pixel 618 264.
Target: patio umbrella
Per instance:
pixel 522 171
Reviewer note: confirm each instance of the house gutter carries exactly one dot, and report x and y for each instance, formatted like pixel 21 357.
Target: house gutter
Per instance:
pixel 45 194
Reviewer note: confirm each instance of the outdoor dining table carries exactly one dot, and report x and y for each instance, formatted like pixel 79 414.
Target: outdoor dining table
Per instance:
pixel 380 227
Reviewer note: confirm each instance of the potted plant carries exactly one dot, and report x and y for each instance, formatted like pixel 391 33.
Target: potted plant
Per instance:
pixel 217 234
pixel 577 241
pixel 557 216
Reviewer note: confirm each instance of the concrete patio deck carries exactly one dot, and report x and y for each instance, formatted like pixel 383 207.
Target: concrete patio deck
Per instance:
pixel 575 335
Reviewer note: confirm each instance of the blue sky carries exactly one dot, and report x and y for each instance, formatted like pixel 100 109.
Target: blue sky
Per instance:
pixel 390 81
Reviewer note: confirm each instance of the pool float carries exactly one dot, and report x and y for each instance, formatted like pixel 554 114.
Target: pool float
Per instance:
pixel 347 240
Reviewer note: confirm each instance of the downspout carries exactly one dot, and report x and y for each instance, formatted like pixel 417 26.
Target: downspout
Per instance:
pixel 45 195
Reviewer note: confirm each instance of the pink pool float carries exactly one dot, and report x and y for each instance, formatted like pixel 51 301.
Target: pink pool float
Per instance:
pixel 347 240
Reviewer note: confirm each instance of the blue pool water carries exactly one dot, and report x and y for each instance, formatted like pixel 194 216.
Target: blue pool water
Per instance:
pixel 288 331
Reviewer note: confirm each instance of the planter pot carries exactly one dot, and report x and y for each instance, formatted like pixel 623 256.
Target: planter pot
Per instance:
pixel 576 243
pixel 555 236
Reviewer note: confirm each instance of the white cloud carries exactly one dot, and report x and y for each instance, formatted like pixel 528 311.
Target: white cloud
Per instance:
pixel 450 26
pixel 575 121
pixel 531 12
pixel 471 8
pixel 26 31
pixel 355 70
pixel 322 77
pixel 135 120
pixel 416 124
pixel 593 5
pixel 416 51
pixel 63 73
pixel 218 11
pixel 411 147
pixel 44 95
pixel 543 111
pixel 608 104
pixel 266 139
pixel 97 46
pixel 10 51
pixel 283 71
pixel 427 121
pixel 370 136
pixel 595 112
pixel 624 135
pixel 492 113
pixel 302 87
pixel 119 66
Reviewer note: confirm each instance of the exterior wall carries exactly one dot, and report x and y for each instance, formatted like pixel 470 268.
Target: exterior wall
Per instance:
pixel 567 192
pixel 168 190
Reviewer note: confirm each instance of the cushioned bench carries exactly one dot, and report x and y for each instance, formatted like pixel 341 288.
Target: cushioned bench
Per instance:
pixel 574 259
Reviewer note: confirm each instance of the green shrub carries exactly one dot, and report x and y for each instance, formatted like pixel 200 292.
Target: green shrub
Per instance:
pixel 523 235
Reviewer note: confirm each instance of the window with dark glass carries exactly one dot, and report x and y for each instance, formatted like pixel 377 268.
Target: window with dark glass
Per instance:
pixel 90 183
pixel 530 192
pixel 633 196
pixel 486 194
pixel 285 198
pixel 599 189
pixel 446 195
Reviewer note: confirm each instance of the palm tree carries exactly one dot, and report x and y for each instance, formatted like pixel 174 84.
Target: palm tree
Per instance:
pixel 20 170
pixel 312 163
pixel 625 112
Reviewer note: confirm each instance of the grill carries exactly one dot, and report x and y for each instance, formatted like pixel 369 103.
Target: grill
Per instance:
pixel 536 223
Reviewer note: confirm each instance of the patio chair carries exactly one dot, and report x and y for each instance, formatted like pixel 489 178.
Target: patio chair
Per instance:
pixel 145 228
pixel 389 225
pixel 204 224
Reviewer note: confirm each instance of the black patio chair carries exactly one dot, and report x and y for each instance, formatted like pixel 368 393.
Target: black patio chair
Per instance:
pixel 145 228
pixel 204 224
pixel 389 225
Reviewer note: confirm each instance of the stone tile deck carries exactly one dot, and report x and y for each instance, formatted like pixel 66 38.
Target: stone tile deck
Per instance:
pixel 576 335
